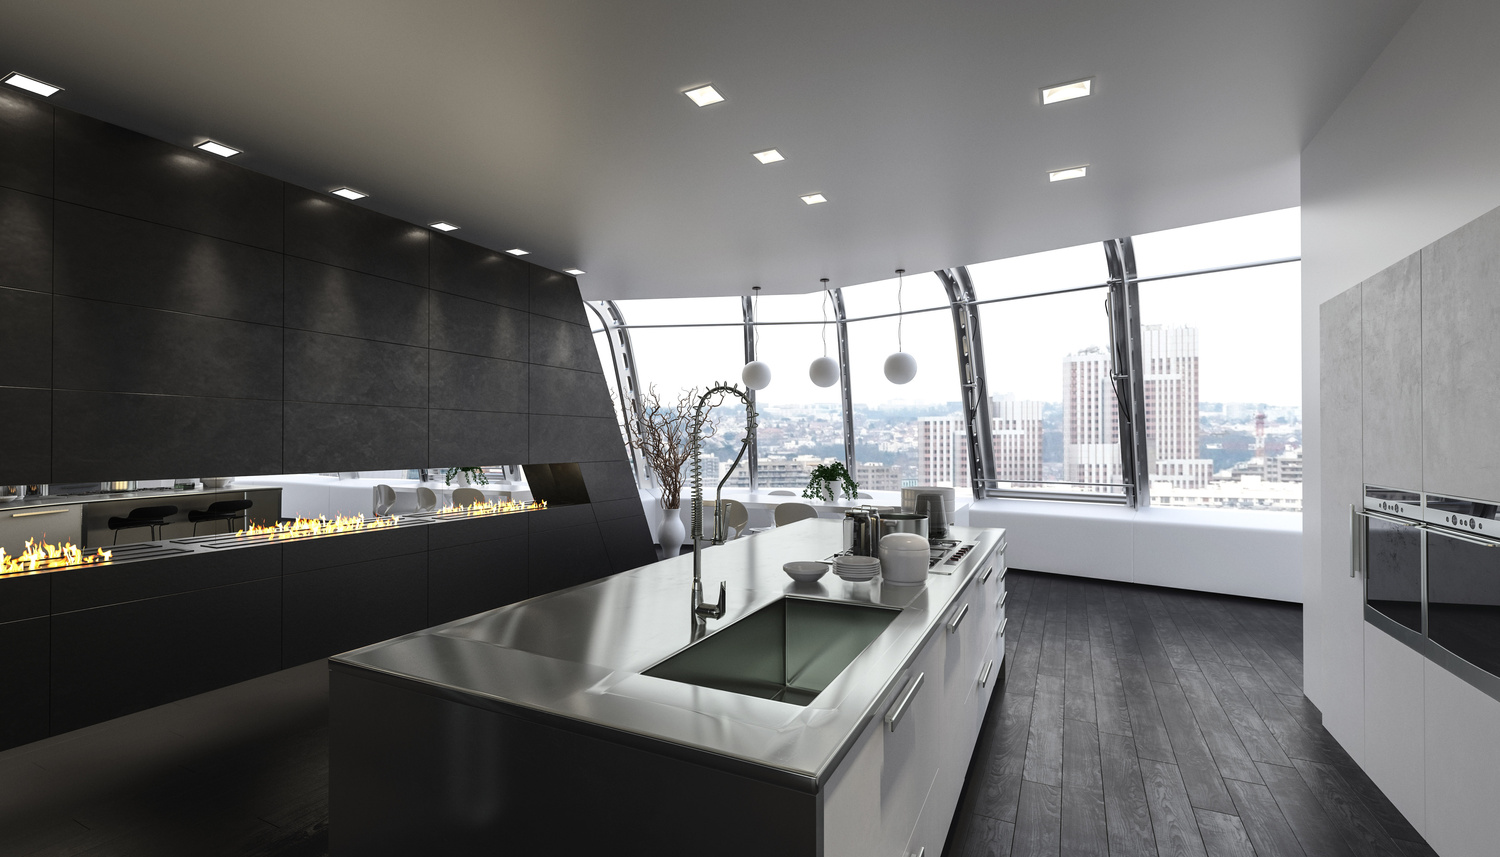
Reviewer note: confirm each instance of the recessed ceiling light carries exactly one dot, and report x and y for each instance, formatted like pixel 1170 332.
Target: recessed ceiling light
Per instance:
pixel 443 226
pixel 1068 91
pixel 769 156
pixel 814 198
pixel 1069 173
pixel 31 84
pixel 348 193
pixel 704 96
pixel 219 149
pixel 517 251
pixel 575 272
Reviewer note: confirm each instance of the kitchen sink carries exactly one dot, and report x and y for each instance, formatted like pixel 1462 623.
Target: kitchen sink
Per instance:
pixel 789 650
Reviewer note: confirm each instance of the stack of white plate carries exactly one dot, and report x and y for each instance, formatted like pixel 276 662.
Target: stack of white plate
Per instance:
pixel 856 568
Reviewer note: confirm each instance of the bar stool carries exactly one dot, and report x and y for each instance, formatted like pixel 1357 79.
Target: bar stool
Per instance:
pixel 224 510
pixel 154 517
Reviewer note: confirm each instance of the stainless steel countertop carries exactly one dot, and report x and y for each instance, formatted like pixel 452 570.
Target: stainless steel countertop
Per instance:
pixel 579 653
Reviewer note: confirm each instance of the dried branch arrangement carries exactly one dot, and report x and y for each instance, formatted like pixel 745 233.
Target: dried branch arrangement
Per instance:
pixel 659 432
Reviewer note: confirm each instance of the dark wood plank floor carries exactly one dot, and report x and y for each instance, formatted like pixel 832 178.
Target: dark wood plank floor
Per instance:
pixel 1135 721
pixel 1142 721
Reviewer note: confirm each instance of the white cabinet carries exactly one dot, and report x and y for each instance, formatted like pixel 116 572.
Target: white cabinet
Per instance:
pixel 1394 719
pixel 54 524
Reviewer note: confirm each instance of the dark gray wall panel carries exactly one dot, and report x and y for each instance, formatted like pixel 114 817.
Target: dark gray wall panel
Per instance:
pixel 98 586
pixel 26 437
pixel 475 327
pixel 566 558
pixel 321 437
pixel 628 542
pixel 556 296
pixel 108 167
pixel 471 383
pixel 569 392
pixel 25 597
pixel 609 510
pixel 556 438
pixel 25 143
pixel 327 229
pixel 123 349
pixel 26 330
pixel 465 531
pixel 560 343
pixel 477 438
pixel 337 609
pixel 350 548
pixel 105 436
pixel 555 518
pixel 121 259
pixel 609 480
pixel 23 675
pixel 114 660
pixel 25 241
pixel 343 370
pixel 470 271
pixel 326 299
pixel 472 578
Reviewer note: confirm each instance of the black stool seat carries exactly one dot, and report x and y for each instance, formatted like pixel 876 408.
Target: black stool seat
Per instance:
pixel 224 510
pixel 154 517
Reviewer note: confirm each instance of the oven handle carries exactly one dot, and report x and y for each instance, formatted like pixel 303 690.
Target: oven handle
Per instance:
pixel 1391 519
pixel 1356 543
pixel 1464 537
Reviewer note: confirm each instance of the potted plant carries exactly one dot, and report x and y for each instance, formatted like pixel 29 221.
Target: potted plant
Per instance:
pixel 471 475
pixel 826 479
pixel 658 430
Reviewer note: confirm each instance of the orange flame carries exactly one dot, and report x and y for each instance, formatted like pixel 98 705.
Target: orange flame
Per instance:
pixel 476 509
pixel 319 526
pixel 40 557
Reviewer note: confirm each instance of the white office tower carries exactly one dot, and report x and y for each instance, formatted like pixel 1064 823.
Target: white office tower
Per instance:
pixel 945 451
pixel 1169 355
pixel 1091 419
pixel 1016 436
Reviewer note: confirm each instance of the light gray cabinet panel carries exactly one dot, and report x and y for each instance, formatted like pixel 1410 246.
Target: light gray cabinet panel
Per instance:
pixel 1392 348
pixel 1342 601
pixel 1461 361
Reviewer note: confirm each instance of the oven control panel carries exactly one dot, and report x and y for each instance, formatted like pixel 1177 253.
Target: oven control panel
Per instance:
pixel 1475 516
pixel 1394 501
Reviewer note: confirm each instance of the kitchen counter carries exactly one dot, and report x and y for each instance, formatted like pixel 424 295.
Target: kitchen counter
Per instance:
pixel 577 656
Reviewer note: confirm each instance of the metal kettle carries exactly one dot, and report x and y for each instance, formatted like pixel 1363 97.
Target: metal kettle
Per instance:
pixel 862 531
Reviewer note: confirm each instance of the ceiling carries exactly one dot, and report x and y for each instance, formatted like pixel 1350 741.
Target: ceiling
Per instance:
pixel 560 126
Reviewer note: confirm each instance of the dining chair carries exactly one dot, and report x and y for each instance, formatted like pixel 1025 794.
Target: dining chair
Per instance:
pixel 787 513
pixel 385 500
pixel 465 497
pixel 783 493
pixel 426 499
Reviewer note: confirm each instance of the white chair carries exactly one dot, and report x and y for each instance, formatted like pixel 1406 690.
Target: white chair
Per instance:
pixel 385 500
pixel 426 499
pixel 464 497
pixel 781 493
pixel 787 513
pixel 860 495
pixel 738 517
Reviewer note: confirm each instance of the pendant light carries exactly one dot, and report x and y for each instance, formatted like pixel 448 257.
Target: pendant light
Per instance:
pixel 900 367
pixel 756 375
pixel 824 371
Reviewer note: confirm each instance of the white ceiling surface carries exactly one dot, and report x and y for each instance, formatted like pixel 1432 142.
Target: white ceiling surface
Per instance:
pixel 559 126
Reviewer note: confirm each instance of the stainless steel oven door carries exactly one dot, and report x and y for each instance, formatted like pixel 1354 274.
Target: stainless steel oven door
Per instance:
pixel 1463 606
pixel 1391 556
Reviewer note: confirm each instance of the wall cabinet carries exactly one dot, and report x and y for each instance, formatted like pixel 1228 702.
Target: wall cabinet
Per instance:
pixel 50 523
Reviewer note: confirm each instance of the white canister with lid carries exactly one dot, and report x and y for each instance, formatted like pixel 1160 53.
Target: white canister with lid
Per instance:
pixel 903 559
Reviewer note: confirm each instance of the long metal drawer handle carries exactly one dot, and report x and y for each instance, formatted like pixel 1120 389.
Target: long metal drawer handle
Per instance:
pixel 898 711
pixel 1463 537
pixel 984 677
pixel 958 619
pixel 1001 631
pixel 985 578
pixel 1000 602
pixel 34 514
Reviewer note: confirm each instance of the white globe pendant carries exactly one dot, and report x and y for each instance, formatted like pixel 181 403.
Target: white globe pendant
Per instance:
pixel 824 372
pixel 900 367
pixel 756 375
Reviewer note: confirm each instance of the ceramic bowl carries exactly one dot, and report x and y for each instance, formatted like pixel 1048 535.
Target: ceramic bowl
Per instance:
pixel 805 571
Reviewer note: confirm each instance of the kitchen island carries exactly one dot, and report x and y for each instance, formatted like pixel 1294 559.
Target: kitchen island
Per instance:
pixel 536 728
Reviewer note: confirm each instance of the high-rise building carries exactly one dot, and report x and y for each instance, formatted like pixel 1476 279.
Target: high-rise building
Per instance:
pixel 1091 419
pixel 1015 437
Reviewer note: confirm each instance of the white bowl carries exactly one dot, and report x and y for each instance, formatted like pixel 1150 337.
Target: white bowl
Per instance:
pixel 805 571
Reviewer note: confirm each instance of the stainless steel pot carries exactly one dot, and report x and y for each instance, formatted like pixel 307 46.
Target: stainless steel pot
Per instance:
pixel 903 522
pixel 862 531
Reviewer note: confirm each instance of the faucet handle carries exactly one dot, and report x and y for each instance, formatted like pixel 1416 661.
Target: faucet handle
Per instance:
pixel 714 611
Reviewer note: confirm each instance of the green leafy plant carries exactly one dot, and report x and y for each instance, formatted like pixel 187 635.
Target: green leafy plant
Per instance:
pixel 834 472
pixel 472 475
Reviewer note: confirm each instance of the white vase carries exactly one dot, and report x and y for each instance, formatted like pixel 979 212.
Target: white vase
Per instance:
pixel 831 491
pixel 672 533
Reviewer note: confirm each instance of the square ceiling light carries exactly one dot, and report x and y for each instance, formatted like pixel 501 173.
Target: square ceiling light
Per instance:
pixel 517 251
pixel 814 198
pixel 704 96
pixel 443 226
pixel 1068 173
pixel 348 193
pixel 216 148
pixel 575 272
pixel 31 84
pixel 769 156
pixel 1068 91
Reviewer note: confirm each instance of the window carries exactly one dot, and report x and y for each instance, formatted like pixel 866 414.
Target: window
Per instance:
pixel 1054 270
pixel 801 424
pixel 1221 244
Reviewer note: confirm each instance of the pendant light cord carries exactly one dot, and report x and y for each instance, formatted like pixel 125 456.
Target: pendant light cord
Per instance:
pixel 755 325
pixel 900 312
pixel 825 317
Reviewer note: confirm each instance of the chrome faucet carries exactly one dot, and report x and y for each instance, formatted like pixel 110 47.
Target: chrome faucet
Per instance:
pixel 702 610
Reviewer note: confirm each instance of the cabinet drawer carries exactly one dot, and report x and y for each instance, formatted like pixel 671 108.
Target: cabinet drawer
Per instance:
pixel 54 524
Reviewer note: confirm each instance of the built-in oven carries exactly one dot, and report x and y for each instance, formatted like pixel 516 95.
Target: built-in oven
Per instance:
pixel 1388 547
pixel 1463 589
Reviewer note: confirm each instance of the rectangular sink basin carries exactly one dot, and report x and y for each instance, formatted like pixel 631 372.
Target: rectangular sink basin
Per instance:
pixel 789 650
